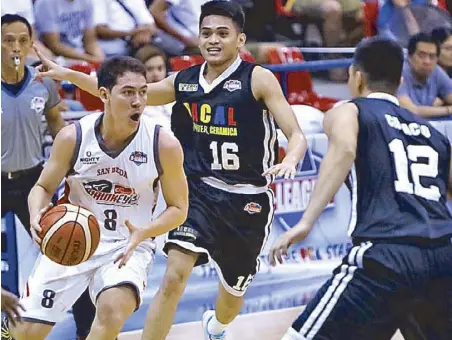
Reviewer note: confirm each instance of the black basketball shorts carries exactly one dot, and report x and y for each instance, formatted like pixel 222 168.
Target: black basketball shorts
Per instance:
pixel 229 228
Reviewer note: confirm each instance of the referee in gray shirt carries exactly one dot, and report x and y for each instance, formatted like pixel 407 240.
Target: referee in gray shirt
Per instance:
pixel 24 101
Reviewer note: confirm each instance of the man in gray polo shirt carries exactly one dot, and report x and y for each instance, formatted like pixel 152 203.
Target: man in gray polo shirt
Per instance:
pixel 24 101
pixel 426 89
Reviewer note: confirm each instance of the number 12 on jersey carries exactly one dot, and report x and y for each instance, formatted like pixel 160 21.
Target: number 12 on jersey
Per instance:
pixel 417 170
pixel 224 156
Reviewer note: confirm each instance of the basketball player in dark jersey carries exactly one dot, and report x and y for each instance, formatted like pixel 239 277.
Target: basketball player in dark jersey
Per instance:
pixel 400 225
pixel 224 117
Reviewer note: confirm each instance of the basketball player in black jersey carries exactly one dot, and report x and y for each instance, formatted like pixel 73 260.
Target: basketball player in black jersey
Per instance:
pixel 400 225
pixel 224 117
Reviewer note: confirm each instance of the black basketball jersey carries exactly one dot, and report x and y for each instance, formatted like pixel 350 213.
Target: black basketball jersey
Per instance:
pixel 224 131
pixel 402 171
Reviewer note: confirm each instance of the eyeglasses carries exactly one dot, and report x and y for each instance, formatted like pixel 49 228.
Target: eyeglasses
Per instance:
pixel 425 55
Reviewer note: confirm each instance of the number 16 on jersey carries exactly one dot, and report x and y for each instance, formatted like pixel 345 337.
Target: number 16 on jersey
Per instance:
pixel 224 156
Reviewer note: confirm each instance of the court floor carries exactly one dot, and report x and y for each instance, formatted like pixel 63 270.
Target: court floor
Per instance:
pixel 269 325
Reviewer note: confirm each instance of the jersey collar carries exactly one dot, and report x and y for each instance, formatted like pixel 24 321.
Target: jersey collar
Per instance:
pixel 209 87
pixel 384 96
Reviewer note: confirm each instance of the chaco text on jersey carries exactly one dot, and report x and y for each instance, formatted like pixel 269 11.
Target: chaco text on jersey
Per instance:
pixel 218 121
pixel 409 129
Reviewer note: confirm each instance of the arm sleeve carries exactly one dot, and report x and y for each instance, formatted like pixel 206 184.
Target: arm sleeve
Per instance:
pixel 54 96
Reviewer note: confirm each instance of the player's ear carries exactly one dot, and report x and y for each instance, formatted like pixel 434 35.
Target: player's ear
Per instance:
pixel 104 94
pixel 242 40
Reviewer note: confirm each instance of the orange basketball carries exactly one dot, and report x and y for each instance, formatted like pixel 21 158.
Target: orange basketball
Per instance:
pixel 70 234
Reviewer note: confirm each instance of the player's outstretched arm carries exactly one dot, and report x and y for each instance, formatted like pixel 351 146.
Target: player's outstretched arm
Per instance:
pixel 175 191
pixel 266 87
pixel 159 93
pixel 53 173
pixel 162 92
pixel 341 126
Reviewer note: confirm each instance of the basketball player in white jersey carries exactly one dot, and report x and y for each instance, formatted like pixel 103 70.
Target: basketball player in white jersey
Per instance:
pixel 113 162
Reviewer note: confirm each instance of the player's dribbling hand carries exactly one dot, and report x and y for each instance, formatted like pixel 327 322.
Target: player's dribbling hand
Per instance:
pixel 49 68
pixel 11 307
pixel 35 227
pixel 280 247
pixel 136 236
pixel 283 169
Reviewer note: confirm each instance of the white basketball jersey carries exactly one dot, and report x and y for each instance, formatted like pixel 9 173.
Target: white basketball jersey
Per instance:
pixel 117 187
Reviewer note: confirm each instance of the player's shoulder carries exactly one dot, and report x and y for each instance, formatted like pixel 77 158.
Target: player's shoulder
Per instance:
pixel 67 136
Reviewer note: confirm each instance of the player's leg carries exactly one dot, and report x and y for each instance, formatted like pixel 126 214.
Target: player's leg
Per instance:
pixel 186 247
pixel 160 315
pixel 244 225
pixel 117 291
pixel 362 300
pixel 50 291
pixel 114 306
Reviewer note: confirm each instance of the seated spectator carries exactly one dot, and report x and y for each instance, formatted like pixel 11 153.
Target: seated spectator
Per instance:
pixel 122 26
pixel 67 29
pixel 68 102
pixel 178 21
pixel 334 14
pixel 24 8
pixel 426 89
pixel 443 37
pixel 388 9
pixel 155 61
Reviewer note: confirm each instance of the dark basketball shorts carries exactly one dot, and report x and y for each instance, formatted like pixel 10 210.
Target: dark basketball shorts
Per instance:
pixel 229 228
pixel 379 288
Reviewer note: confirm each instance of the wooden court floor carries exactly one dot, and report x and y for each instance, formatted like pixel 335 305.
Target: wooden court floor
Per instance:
pixel 269 325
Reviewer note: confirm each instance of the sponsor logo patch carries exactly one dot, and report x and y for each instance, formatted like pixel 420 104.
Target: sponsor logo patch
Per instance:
pixel 138 157
pixel 233 85
pixel 188 87
pixel 89 159
pixel 253 208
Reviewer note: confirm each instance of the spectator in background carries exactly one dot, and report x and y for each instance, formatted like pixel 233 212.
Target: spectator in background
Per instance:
pixel 24 101
pixel 426 89
pixel 69 103
pixel 67 29
pixel 122 26
pixel 388 9
pixel 155 61
pixel 24 8
pixel 178 21
pixel 443 37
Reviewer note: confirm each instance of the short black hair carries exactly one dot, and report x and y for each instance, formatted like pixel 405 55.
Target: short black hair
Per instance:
pixel 441 34
pixel 381 60
pixel 115 67
pixel 421 37
pixel 12 18
pixel 224 8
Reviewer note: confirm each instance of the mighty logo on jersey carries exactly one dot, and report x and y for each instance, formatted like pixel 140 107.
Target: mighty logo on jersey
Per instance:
pixel 219 120
pixel 106 192
pixel 293 195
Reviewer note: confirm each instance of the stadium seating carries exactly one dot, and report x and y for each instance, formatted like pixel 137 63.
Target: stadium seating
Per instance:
pixel 299 84
pixel 182 62
pixel 90 102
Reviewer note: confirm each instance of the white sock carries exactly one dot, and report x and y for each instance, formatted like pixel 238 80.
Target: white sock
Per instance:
pixel 215 327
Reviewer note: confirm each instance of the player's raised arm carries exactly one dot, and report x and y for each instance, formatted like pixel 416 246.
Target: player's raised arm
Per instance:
pixel 341 126
pixel 159 93
pixel 266 87
pixel 53 173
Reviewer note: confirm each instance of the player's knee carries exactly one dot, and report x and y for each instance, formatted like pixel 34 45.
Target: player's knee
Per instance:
pixel 25 331
pixel 113 313
pixel 174 281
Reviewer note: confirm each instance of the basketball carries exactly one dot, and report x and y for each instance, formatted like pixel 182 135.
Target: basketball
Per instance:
pixel 70 234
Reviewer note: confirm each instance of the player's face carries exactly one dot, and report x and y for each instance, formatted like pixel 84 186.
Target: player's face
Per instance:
pixel 424 59
pixel 219 39
pixel 445 58
pixel 128 98
pixel 155 69
pixel 16 42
